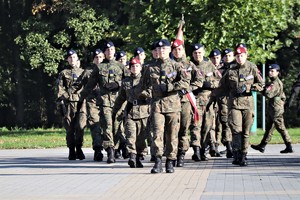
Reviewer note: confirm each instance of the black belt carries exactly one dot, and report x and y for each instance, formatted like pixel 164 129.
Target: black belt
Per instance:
pixel 139 102
pixel 246 94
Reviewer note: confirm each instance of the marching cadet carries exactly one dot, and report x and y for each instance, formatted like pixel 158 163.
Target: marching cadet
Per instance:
pixel 228 59
pixel 215 58
pixel 276 97
pixel 166 78
pixel 108 76
pixel 119 134
pixel 241 78
pixel 139 53
pixel 136 114
pixel 178 52
pixel 209 79
pixel 92 106
pixel 74 118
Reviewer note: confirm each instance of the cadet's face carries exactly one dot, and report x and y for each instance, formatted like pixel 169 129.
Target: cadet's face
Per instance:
pixel 110 53
pixel 73 60
pixel 155 54
pixel 136 69
pixel 123 60
pixel 178 52
pixel 241 58
pixel 98 58
pixel 164 52
pixel 216 60
pixel 273 73
pixel 228 57
pixel 198 54
pixel 141 56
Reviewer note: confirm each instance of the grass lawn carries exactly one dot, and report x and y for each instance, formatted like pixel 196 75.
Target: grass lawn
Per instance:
pixel 53 138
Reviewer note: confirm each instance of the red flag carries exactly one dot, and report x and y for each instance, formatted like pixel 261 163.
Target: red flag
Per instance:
pixel 192 99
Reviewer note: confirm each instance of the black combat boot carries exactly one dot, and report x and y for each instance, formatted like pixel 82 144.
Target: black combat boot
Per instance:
pixel 110 155
pixel 117 153
pixel 180 158
pixel 72 153
pixel 260 147
pixel 123 148
pixel 131 161
pixel 79 153
pixel 236 157
pixel 212 150
pixel 196 155
pixel 228 150
pixel 243 159
pixel 157 168
pixel 98 156
pixel 218 154
pixel 202 155
pixel 138 161
pixel 169 166
pixel 288 148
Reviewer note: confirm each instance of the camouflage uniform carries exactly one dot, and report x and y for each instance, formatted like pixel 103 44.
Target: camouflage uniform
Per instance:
pixel 226 136
pixel 200 132
pixel 185 114
pixel 93 119
pixel 74 120
pixel 166 77
pixel 238 82
pixel 136 114
pixel 276 97
pixel 108 76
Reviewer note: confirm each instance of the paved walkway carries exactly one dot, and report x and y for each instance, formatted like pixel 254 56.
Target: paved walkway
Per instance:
pixel 47 174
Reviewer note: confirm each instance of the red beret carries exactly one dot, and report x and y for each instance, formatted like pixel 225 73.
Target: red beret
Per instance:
pixel 240 50
pixel 134 61
pixel 176 43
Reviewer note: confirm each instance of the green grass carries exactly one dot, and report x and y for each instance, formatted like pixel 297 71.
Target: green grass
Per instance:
pixel 54 138
pixel 37 138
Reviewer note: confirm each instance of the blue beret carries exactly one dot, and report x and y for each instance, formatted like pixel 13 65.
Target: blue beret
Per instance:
pixel 214 52
pixel 274 66
pixel 163 43
pixel 97 51
pixel 71 52
pixel 108 45
pixel 241 45
pixel 120 54
pixel 196 46
pixel 138 50
pixel 154 45
pixel 226 51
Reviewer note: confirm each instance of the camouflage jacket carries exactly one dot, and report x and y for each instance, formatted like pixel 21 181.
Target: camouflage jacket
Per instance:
pixel 276 97
pixel 166 78
pixel 188 66
pixel 208 79
pixel 105 74
pixel 138 104
pixel 237 84
pixel 68 84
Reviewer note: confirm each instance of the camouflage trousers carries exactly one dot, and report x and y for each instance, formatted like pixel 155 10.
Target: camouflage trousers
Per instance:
pixel 166 126
pixel 226 135
pixel 240 122
pixel 94 123
pixel 276 122
pixel 135 130
pixel 119 130
pixel 74 124
pixel 106 123
pixel 185 122
pixel 202 132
